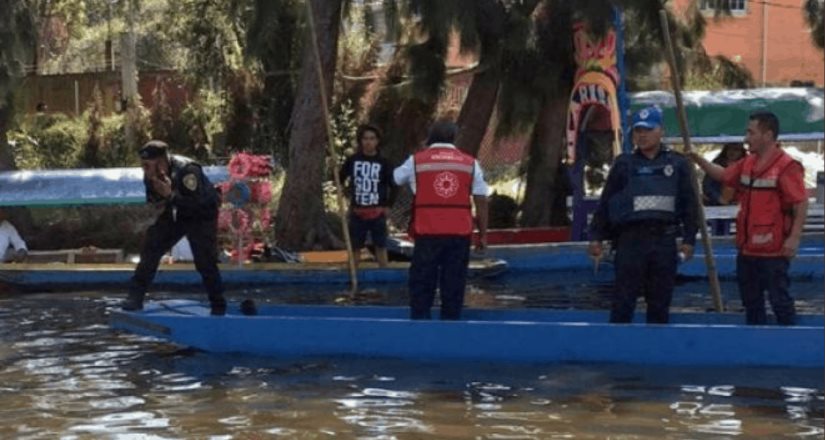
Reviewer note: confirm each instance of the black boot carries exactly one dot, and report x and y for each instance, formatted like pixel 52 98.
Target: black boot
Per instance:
pixel 218 307
pixel 132 304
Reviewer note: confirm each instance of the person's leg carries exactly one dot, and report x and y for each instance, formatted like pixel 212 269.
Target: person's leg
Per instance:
pixel 357 236
pixel 378 231
pixel 159 238
pixel 630 277
pixel 455 257
pixel 423 277
pixel 750 289
pixel 203 238
pixel 661 278
pixel 778 282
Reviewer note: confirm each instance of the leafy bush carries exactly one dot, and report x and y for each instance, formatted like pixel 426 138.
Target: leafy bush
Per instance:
pixel 48 141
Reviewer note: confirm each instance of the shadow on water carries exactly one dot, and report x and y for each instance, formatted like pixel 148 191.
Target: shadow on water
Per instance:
pixel 64 373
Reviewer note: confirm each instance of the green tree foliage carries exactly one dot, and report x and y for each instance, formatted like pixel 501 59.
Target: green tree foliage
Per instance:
pixel 275 45
pixel 17 39
pixel 48 142
pixel 814 11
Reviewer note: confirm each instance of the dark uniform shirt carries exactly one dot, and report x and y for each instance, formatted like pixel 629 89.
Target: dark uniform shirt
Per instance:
pixel 193 195
pixel 637 166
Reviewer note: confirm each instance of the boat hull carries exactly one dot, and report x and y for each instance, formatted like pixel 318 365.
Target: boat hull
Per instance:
pixel 85 276
pixel 529 335
pixel 572 257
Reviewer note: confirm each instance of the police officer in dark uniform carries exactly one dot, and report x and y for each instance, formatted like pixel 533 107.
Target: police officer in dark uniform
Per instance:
pixel 190 208
pixel 647 202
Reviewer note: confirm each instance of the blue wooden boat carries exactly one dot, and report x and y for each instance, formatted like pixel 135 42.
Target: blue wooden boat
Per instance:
pixel 525 335
pixel 567 257
pixel 39 277
pixel 564 258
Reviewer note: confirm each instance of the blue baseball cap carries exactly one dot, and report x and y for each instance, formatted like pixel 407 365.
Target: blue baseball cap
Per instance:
pixel 648 117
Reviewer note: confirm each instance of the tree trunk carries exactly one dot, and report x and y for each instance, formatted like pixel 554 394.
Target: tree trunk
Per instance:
pixel 477 110
pixel 545 189
pixel 301 221
pixel 6 157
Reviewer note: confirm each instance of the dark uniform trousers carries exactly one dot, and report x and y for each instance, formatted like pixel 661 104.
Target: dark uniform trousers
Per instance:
pixel 161 236
pixel 646 260
pixel 438 261
pixel 758 274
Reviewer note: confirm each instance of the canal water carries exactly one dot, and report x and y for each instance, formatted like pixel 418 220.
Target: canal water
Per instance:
pixel 64 374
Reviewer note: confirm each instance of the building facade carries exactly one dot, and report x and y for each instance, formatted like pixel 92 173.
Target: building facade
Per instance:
pixel 769 37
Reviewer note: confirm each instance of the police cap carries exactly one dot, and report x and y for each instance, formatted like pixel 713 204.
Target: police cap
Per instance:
pixel 153 149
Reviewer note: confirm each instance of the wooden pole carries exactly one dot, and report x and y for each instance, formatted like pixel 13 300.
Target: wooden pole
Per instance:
pixel 710 263
pixel 339 191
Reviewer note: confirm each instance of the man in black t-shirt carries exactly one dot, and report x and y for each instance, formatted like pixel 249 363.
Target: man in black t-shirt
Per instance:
pixel 370 184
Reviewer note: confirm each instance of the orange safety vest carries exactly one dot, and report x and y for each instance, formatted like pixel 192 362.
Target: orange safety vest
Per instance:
pixel 443 187
pixel 763 222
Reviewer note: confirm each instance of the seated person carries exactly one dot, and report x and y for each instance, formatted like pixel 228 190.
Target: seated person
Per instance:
pixel 12 247
pixel 713 192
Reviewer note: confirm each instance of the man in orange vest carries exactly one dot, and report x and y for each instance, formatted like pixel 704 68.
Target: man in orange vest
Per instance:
pixel 444 180
pixel 772 211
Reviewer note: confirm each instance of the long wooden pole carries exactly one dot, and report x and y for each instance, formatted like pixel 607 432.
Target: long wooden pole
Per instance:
pixel 710 263
pixel 339 191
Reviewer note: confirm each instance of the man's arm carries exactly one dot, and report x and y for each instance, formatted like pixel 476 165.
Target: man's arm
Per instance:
pixel 344 172
pixel 482 209
pixel 799 213
pixel 616 181
pixel 711 169
pixel 404 173
pixel 792 187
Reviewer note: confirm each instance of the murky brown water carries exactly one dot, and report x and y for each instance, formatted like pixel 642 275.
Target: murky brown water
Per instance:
pixel 65 374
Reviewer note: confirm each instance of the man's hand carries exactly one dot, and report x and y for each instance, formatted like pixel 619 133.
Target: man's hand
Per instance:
pixel 595 249
pixel 162 185
pixel 20 255
pixel 790 246
pixel 687 251
pixel 694 156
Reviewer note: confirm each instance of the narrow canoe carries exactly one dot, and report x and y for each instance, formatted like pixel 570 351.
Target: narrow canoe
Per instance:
pixel 64 276
pixel 569 257
pixel 525 335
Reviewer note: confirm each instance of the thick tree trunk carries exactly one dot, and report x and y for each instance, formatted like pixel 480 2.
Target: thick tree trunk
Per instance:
pixel 477 110
pixel 545 189
pixel 300 222
pixel 6 157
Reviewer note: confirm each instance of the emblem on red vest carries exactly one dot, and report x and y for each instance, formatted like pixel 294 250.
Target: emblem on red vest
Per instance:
pixel 446 184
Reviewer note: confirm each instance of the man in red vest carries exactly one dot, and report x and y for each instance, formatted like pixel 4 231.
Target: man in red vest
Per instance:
pixel 444 181
pixel 772 211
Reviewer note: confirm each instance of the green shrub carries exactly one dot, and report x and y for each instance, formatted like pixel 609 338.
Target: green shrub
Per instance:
pixel 48 141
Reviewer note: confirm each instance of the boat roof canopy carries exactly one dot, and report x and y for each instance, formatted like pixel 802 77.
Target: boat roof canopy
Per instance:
pixel 721 116
pixel 71 187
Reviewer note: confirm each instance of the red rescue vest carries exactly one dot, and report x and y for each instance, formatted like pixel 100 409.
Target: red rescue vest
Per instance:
pixel 443 187
pixel 763 222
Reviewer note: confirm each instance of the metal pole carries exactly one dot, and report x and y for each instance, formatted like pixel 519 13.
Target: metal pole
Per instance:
pixel 764 43
pixel 710 263
pixel 339 191
pixel 76 98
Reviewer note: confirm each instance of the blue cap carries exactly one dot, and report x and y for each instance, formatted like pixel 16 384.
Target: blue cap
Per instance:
pixel 648 117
